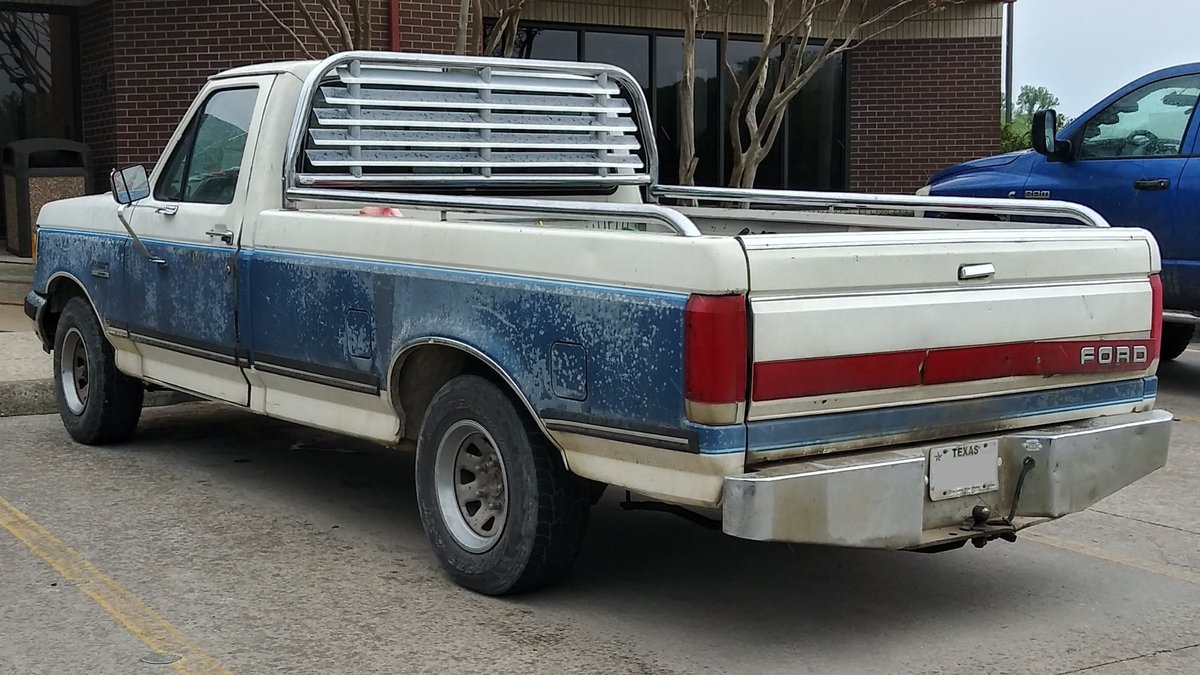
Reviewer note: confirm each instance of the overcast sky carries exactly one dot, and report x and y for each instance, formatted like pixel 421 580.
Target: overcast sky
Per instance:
pixel 1082 50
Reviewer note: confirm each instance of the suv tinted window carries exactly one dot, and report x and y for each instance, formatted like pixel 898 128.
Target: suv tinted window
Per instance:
pixel 204 166
pixel 1147 122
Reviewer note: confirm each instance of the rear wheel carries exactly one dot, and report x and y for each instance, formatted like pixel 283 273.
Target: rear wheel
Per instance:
pixel 1176 337
pixel 98 403
pixel 501 511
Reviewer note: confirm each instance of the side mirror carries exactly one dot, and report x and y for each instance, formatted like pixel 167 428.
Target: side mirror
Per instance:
pixel 1044 136
pixel 129 184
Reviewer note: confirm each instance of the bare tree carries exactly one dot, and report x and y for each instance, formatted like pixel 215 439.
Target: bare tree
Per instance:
pixel 348 24
pixel 783 67
pixel 503 32
pixel 687 92
pixel 695 13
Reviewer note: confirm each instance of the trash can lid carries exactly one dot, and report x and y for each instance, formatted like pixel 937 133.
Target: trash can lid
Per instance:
pixel 42 153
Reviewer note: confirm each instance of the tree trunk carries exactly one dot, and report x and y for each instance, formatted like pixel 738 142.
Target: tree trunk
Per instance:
pixel 753 131
pixel 510 38
pixel 464 24
pixel 687 97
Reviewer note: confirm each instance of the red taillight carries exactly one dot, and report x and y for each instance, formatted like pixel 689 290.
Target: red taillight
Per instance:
pixel 1156 312
pixel 714 357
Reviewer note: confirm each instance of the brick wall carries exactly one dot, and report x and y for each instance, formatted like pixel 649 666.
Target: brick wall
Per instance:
pixel 144 60
pixel 428 25
pixel 166 49
pixel 919 106
pixel 96 88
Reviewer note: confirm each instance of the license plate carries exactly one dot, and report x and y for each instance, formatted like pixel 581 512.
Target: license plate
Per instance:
pixel 964 469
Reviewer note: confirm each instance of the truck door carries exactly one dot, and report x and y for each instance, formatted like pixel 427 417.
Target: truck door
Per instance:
pixel 181 312
pixel 1180 245
pixel 1128 157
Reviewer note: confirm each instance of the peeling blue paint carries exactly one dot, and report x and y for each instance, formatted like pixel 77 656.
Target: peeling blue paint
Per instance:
pixel 69 252
pixel 633 338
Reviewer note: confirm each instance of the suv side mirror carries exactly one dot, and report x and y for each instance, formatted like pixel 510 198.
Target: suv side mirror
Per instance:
pixel 129 184
pixel 1043 136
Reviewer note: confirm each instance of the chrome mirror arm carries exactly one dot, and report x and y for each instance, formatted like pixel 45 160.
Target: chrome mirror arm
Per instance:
pixel 137 240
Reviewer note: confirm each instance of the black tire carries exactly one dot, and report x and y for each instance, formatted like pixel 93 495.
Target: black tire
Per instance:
pixel 539 534
pixel 106 407
pixel 1176 338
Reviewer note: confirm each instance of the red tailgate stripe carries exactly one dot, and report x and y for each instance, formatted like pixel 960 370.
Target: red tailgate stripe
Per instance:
pixel 964 364
pixel 813 377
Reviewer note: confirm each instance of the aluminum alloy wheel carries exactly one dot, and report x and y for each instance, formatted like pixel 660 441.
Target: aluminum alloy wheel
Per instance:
pixel 471 486
pixel 74 372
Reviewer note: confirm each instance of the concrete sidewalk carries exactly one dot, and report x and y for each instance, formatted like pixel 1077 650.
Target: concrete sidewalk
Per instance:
pixel 26 387
pixel 26 373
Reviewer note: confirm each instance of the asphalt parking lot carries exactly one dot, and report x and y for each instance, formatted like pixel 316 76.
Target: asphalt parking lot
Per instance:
pixel 229 543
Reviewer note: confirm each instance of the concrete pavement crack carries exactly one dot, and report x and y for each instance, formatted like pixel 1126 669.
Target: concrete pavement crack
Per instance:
pixel 1145 522
pixel 1158 652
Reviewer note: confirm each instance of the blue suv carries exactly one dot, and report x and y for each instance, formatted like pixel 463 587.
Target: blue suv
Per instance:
pixel 1133 157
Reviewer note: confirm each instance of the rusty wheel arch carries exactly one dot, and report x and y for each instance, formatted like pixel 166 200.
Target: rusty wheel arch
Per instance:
pixel 420 368
pixel 61 287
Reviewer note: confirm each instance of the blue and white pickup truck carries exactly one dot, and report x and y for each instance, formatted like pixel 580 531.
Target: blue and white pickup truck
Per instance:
pixel 1134 158
pixel 476 256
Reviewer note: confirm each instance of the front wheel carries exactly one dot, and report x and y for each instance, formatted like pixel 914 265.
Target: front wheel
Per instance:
pixel 1175 339
pixel 98 403
pixel 503 514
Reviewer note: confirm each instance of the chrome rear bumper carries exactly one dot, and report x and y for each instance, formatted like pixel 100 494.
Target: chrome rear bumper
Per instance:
pixel 879 499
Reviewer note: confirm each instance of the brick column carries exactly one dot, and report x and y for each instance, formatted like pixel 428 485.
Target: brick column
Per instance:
pixel 917 106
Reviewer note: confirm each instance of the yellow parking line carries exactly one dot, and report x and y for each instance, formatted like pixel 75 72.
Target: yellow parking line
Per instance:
pixel 1170 571
pixel 136 616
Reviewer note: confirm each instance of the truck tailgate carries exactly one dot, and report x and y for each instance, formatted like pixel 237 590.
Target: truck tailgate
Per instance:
pixel 883 320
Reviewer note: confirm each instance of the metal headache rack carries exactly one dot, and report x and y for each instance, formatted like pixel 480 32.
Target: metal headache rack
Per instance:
pixel 410 121
pixel 398 129
pixel 468 134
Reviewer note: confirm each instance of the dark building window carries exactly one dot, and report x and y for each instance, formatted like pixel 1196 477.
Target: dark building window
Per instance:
pixel 810 151
pixel 38 86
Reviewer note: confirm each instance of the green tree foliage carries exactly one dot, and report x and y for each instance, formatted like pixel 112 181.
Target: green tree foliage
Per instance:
pixel 1015 134
pixel 1032 99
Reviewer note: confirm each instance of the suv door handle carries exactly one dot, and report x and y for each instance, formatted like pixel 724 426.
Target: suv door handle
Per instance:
pixel 1152 184
pixel 225 235
pixel 167 209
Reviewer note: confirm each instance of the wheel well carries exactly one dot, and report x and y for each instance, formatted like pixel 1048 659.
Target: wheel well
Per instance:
pixel 60 291
pixel 420 372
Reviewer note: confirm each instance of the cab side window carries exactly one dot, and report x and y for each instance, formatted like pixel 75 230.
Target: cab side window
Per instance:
pixel 204 166
pixel 1148 122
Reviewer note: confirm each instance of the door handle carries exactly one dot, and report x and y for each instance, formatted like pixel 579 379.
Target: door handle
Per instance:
pixel 980 271
pixel 1151 184
pixel 167 209
pixel 225 235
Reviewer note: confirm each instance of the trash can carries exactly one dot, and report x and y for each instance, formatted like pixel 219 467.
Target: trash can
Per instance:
pixel 36 171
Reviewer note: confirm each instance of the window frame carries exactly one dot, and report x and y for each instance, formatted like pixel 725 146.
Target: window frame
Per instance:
pixel 841 142
pixel 1189 129
pixel 73 13
pixel 188 139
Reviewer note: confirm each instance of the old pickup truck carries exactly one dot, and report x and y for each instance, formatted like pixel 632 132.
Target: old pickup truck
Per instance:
pixel 476 256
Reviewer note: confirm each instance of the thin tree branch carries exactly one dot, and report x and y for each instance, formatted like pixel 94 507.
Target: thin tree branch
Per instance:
pixel 339 22
pixel 311 22
pixel 357 22
pixel 284 26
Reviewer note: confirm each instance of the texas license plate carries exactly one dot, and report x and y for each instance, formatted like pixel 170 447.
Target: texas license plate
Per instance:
pixel 964 469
